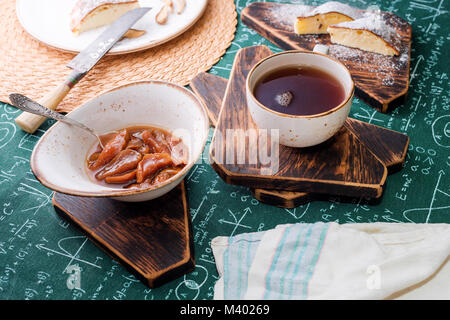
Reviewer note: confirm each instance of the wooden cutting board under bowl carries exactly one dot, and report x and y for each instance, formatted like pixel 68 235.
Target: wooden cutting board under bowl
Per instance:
pixel 152 239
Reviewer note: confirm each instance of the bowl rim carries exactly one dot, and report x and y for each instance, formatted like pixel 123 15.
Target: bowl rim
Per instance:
pixel 120 192
pixel 285 115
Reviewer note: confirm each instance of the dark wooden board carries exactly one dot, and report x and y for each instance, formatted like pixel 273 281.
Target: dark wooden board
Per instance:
pixel 340 166
pixel 152 239
pixel 210 89
pixel 381 81
pixel 390 146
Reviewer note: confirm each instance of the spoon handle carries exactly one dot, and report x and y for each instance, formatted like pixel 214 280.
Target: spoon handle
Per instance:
pixel 30 106
pixel 30 122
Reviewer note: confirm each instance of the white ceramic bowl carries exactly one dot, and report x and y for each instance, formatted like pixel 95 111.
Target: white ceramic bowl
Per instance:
pixel 300 131
pixel 59 158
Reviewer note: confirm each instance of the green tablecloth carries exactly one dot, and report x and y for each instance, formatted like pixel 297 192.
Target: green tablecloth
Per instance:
pixel 37 247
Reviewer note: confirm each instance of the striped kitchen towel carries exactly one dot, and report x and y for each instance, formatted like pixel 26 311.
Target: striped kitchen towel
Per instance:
pixel 332 261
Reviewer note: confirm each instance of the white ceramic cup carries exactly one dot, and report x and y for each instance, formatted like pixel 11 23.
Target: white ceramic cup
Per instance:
pixel 295 130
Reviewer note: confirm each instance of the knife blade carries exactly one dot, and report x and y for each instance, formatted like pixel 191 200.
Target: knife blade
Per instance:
pixel 89 57
pixel 81 65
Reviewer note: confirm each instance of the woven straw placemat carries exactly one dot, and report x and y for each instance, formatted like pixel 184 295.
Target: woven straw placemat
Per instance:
pixel 32 68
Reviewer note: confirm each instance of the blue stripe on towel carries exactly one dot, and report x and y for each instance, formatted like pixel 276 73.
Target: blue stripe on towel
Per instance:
pixel 274 263
pixel 296 272
pixel 299 279
pixel 226 269
pixel 294 261
pixel 238 258
pixel 295 256
pixel 292 264
pixel 284 261
pixel 315 259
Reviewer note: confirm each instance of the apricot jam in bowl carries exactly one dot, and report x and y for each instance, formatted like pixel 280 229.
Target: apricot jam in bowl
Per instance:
pixel 152 133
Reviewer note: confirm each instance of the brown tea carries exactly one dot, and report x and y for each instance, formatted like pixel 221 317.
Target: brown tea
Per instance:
pixel 299 90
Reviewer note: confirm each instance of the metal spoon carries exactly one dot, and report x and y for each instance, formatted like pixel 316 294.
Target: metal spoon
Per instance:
pixel 26 104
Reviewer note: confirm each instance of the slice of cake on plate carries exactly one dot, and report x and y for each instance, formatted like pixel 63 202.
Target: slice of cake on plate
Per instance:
pixel 370 33
pixel 316 20
pixel 91 14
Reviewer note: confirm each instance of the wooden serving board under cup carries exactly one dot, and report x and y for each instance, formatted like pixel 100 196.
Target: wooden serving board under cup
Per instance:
pixel 388 145
pixel 381 81
pixel 383 147
pixel 152 239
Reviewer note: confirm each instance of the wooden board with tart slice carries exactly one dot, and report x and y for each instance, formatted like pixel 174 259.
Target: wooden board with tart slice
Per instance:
pixel 380 80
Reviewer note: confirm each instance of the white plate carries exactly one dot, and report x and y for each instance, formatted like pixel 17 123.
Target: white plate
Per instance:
pixel 48 22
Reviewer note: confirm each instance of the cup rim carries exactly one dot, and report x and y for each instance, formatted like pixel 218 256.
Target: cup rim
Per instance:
pixel 316 115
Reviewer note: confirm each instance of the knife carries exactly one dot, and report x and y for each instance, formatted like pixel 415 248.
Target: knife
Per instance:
pixel 81 65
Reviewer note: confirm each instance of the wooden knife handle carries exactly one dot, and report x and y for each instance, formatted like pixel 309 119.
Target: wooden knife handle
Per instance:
pixel 30 122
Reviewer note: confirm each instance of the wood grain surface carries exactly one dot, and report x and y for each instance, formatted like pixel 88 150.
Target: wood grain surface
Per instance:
pixel 210 89
pixel 340 166
pixel 152 239
pixel 381 81
pixel 389 146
